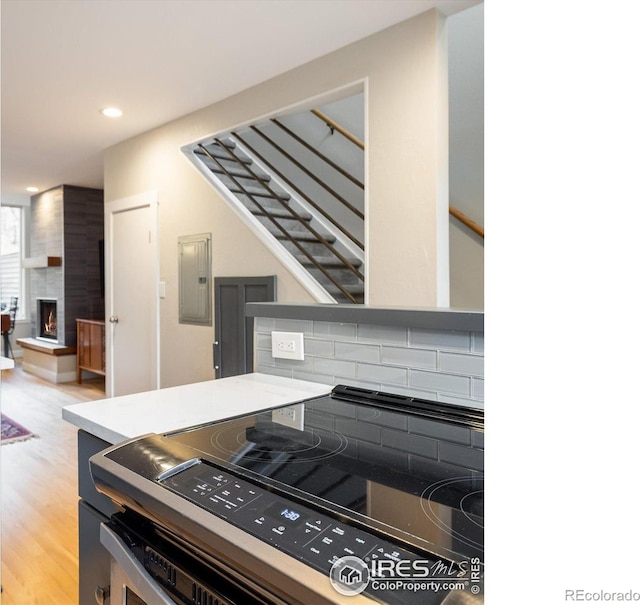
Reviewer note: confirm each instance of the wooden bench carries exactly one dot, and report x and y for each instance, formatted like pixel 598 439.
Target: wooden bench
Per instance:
pixel 48 360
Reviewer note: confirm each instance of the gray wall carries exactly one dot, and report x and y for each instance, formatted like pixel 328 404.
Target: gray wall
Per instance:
pixel 466 155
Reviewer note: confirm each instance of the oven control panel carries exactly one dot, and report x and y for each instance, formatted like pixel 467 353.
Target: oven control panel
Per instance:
pixel 313 537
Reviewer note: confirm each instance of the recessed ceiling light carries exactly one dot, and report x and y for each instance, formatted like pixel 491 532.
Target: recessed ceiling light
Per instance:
pixel 111 112
pixel 33 189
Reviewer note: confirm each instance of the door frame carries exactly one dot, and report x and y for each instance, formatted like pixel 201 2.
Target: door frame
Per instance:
pixel 147 199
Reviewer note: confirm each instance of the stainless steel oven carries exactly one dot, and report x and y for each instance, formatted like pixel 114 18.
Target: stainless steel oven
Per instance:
pixel 354 497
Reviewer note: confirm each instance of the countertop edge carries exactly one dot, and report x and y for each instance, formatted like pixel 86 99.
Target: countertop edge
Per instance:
pixel 428 319
pixel 94 428
pixel 154 412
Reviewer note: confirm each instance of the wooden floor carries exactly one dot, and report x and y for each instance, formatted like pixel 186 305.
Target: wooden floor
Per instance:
pixel 39 491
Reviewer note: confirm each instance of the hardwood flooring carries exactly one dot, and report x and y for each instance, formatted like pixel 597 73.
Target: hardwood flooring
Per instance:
pixel 39 491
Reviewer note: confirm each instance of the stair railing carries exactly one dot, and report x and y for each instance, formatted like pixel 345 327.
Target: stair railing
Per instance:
pixel 465 220
pixel 276 224
pixel 333 125
pixel 323 157
pixel 453 211
pixel 299 191
pixel 318 180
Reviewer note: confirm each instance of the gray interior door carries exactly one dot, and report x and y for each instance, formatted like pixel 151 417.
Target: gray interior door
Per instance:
pixel 233 347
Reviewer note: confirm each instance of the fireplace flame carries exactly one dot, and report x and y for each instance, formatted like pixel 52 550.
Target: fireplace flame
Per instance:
pixel 50 326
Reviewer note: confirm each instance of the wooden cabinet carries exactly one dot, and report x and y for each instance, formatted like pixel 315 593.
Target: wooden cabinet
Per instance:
pixel 90 346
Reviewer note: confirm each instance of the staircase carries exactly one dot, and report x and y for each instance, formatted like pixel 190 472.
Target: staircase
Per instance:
pixel 304 228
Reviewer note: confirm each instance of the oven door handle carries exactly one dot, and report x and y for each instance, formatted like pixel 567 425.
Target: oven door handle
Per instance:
pixel 137 577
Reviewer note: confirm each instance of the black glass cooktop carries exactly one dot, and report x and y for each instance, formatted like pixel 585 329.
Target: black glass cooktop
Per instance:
pixel 409 468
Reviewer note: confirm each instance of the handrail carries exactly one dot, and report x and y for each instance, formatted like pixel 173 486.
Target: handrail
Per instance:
pixel 299 191
pixel 335 126
pixel 465 220
pixel 323 157
pixel 294 214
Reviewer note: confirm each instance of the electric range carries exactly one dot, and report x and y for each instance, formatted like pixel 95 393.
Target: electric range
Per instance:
pixel 357 496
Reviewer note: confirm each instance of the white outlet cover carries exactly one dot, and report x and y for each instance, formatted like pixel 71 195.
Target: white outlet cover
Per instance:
pixel 287 345
pixel 291 416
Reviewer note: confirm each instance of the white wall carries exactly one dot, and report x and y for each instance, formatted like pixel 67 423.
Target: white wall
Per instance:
pixel 404 70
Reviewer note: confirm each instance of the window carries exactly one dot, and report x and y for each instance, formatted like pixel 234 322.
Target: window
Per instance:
pixel 11 272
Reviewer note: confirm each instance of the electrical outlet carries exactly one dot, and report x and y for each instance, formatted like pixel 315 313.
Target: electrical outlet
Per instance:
pixel 287 345
pixel 291 416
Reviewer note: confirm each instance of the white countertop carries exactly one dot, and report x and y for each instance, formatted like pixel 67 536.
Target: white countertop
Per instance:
pixel 119 418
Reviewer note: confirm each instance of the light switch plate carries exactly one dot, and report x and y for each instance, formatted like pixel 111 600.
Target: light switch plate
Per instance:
pixel 287 345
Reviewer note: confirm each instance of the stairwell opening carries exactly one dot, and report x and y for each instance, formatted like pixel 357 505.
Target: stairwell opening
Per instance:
pixel 297 180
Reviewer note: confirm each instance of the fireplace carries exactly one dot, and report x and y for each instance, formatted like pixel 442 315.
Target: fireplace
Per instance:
pixel 47 327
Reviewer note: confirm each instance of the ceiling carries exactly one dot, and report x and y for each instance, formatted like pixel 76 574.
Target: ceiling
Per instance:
pixel 64 60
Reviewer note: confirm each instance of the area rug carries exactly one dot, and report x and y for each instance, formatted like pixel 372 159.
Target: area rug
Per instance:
pixel 12 431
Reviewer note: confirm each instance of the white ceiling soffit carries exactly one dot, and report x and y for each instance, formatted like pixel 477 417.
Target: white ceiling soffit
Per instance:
pixel 64 60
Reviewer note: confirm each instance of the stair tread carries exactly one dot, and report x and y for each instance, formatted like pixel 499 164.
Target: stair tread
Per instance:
pixel 227 142
pixel 307 236
pixel 281 213
pixel 331 261
pixel 259 192
pixel 242 174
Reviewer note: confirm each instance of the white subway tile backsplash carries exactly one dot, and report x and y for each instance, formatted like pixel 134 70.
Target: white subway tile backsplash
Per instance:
pixel 305 365
pixel 318 348
pixel 264 358
pixel 264 324
pixel 294 325
pixel 382 334
pixel 414 392
pixel 477 388
pixel 440 340
pixel 314 377
pixel 335 367
pixel 383 374
pixel 335 331
pixel 357 352
pixel 459 400
pixel 444 366
pixel 457 363
pixel 411 358
pixel 285 372
pixel 263 341
pixel 447 383
pixel 363 384
pixel 477 342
